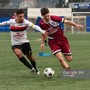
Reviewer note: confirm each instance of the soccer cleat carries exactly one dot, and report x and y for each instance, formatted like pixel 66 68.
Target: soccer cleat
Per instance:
pixel 33 70
pixel 38 72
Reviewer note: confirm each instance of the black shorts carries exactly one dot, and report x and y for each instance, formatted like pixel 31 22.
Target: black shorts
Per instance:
pixel 25 48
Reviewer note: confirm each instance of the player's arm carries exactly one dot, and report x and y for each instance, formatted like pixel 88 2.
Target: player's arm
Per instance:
pixel 5 23
pixel 63 20
pixel 43 38
pixel 38 28
pixel 30 24
pixel 72 23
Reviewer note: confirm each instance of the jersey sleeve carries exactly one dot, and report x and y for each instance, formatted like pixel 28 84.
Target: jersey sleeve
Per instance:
pixel 29 24
pixel 57 18
pixel 6 22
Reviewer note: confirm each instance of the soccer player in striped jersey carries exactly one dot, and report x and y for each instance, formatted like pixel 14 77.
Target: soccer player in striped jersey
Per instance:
pixel 20 43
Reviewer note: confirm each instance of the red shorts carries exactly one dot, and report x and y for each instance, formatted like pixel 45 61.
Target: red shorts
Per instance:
pixel 59 46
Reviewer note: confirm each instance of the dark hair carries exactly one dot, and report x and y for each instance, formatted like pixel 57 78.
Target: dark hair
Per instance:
pixel 20 11
pixel 44 11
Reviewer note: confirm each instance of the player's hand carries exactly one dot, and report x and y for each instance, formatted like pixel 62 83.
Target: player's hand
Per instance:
pixel 45 34
pixel 42 47
pixel 80 26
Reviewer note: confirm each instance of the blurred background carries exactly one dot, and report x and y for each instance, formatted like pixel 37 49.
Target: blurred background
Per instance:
pixel 75 10
pixel 40 3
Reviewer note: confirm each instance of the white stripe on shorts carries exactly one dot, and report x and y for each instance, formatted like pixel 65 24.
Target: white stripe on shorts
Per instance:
pixel 56 51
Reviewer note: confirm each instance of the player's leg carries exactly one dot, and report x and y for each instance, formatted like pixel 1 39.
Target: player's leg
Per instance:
pixel 33 62
pixel 57 52
pixel 16 49
pixel 28 52
pixel 67 53
pixel 61 59
pixel 63 62
pixel 66 50
pixel 68 58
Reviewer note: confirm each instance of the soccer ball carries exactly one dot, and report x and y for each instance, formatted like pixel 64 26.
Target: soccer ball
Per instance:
pixel 49 72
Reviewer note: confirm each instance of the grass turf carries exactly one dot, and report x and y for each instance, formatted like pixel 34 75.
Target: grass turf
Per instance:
pixel 15 76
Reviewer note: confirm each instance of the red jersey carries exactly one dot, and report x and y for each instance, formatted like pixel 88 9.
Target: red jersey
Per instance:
pixel 53 27
pixel 56 39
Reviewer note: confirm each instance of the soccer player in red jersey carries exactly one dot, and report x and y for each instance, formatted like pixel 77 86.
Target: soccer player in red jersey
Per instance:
pixel 19 40
pixel 56 39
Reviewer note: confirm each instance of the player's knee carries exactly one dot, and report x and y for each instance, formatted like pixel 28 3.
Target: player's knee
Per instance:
pixel 19 55
pixel 69 59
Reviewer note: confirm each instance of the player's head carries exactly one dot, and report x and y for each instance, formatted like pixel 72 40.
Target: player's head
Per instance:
pixel 20 15
pixel 45 14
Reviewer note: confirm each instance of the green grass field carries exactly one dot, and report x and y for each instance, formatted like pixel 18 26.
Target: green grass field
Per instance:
pixel 15 76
